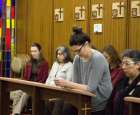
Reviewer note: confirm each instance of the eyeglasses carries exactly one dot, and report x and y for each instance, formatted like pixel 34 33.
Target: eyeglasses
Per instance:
pixel 128 63
pixel 59 54
pixel 79 50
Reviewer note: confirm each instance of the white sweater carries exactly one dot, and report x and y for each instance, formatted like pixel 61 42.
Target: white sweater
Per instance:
pixel 59 71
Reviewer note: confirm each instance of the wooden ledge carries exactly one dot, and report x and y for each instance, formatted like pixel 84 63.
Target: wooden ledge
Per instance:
pixel 30 83
pixel 132 99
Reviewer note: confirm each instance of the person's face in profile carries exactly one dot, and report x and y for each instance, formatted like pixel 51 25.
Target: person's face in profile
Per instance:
pixel 35 53
pixel 78 50
pixel 130 67
pixel 60 57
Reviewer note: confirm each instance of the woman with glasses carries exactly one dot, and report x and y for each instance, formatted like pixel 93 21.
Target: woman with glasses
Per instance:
pixel 114 61
pixel 91 72
pixel 129 85
pixel 62 67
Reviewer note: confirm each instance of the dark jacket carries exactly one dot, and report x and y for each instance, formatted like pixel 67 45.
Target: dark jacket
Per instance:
pixel 42 71
pixel 116 105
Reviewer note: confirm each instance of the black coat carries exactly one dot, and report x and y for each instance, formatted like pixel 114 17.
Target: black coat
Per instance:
pixel 116 104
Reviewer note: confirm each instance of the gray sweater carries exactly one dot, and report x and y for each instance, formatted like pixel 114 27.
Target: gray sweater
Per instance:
pixel 95 74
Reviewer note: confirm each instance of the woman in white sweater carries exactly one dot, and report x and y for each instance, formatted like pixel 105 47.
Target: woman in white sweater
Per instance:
pixel 62 67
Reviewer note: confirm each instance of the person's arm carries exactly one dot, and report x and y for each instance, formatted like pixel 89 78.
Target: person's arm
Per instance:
pixel 70 84
pixel 51 76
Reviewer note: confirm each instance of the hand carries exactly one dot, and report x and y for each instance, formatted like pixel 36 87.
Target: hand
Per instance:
pixel 60 82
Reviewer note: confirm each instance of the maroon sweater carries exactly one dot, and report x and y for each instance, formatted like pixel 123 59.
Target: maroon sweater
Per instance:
pixel 42 71
pixel 116 75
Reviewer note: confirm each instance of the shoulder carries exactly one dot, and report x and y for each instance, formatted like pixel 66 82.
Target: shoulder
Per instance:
pixel 69 64
pixel 98 58
pixel 97 55
pixel 122 83
pixel 55 64
pixel 76 58
pixel 43 64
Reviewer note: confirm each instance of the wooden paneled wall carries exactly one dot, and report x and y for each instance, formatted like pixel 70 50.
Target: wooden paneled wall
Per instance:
pixel 35 23
pixel 21 29
pixel 63 30
pixel 114 30
pixel 134 31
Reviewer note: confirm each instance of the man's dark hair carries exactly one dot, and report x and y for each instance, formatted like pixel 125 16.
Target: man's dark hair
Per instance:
pixel 78 37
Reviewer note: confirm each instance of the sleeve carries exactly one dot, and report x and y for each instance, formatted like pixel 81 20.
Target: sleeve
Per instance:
pixel 44 72
pixel 26 71
pixel 76 71
pixel 51 76
pixel 69 72
pixel 99 67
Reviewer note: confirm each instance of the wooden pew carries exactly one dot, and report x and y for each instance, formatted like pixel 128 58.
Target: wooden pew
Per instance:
pixel 134 105
pixel 39 91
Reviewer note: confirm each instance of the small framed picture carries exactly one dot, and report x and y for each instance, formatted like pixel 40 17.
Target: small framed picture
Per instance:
pixel 56 17
pixel 94 14
pixel 77 16
pixel 114 13
pixel 134 12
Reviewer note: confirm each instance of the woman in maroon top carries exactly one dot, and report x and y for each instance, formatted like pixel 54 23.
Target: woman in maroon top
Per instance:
pixel 35 70
pixel 114 61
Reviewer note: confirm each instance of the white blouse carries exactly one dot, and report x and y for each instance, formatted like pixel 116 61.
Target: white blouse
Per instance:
pixel 60 71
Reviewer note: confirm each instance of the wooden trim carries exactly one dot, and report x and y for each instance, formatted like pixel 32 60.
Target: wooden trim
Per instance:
pixel 132 99
pixel 25 82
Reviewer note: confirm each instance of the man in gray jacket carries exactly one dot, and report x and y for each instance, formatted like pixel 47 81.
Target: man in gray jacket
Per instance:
pixel 91 72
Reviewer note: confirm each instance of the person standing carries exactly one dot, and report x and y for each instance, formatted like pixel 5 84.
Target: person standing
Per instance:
pixel 90 73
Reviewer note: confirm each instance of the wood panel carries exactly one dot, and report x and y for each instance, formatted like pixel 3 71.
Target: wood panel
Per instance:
pixel 63 30
pixel 114 30
pixel 134 31
pixel 35 23
pixel 84 23
pixel 38 25
pixel 21 14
